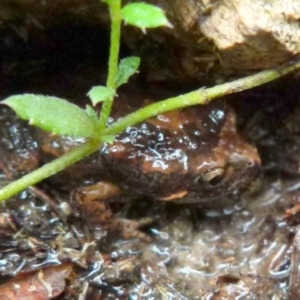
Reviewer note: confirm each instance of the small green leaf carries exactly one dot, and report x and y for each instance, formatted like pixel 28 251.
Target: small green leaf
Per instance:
pixel 108 138
pixel 52 114
pixel 92 114
pixel 101 93
pixel 144 15
pixel 127 67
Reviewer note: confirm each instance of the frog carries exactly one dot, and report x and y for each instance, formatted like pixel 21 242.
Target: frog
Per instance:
pixel 189 156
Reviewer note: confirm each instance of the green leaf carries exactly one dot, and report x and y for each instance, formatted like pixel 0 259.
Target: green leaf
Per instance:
pixel 108 138
pixel 127 67
pixel 52 114
pixel 101 93
pixel 144 15
pixel 92 114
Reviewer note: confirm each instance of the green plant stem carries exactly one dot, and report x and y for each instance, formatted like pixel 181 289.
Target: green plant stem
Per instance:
pixel 115 33
pixel 200 96
pixel 49 169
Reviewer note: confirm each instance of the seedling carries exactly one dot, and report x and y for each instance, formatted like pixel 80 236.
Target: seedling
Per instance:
pixel 63 118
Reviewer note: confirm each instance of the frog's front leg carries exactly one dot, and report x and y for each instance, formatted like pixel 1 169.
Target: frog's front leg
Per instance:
pixel 93 202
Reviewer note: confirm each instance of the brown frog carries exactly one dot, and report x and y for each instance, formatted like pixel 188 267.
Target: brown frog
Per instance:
pixel 188 156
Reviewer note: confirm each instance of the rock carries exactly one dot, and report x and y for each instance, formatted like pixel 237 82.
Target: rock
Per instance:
pixel 210 38
pixel 253 34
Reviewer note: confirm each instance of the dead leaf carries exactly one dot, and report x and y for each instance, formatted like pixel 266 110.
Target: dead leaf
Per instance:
pixel 44 284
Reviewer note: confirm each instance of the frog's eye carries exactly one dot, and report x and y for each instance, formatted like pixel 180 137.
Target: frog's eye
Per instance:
pixel 212 177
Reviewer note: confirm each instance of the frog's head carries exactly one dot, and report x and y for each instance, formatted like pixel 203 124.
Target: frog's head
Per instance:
pixel 229 164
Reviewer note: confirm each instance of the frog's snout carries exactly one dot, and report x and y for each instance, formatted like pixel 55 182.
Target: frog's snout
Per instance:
pixel 245 165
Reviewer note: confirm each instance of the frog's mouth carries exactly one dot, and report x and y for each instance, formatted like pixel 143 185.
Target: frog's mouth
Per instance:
pixel 185 197
pixel 175 196
pixel 216 183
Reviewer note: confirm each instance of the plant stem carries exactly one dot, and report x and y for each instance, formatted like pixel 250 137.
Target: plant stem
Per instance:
pixel 49 169
pixel 115 33
pixel 200 96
